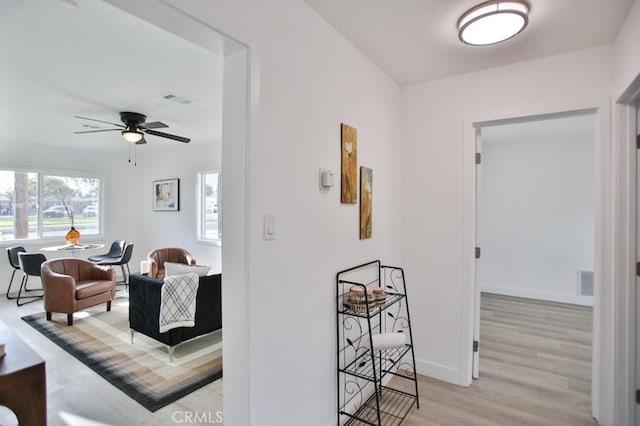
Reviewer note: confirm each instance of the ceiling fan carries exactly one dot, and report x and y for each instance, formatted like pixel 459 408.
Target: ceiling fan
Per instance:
pixel 134 128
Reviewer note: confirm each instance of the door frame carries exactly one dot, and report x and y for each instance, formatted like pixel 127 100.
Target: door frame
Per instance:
pixel 604 255
pixel 236 141
pixel 626 247
pixel 475 367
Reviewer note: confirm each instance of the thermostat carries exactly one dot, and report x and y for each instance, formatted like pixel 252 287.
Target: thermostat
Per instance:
pixel 326 179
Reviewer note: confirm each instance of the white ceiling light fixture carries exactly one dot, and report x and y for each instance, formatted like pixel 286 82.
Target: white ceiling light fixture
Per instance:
pixel 492 22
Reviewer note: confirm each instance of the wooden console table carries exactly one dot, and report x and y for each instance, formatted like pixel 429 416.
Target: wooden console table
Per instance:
pixel 22 380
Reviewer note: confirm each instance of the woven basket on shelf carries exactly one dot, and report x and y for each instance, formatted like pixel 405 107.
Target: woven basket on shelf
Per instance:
pixel 356 300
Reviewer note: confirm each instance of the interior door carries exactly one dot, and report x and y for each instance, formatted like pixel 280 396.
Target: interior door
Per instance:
pixel 476 328
pixel 638 259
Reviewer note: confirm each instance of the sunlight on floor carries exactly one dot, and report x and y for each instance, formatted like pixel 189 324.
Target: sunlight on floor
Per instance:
pixel 73 420
pixel 81 314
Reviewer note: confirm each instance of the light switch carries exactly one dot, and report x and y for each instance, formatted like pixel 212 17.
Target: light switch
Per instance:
pixel 269 231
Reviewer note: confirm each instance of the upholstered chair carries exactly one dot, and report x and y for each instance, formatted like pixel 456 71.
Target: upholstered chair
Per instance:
pixel 157 257
pixel 71 285
pixel 145 296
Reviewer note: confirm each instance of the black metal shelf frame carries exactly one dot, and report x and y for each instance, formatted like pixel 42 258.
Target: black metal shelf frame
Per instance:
pixel 364 396
pixel 394 406
pixel 363 365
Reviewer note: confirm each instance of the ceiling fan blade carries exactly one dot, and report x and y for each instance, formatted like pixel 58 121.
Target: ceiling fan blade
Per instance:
pixel 96 131
pixel 153 125
pixel 141 141
pixel 166 135
pixel 99 121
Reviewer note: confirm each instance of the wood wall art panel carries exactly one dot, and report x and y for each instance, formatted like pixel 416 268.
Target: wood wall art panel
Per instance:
pixel 366 202
pixel 349 167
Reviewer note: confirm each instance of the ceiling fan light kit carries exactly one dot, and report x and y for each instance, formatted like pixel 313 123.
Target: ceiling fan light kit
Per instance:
pixel 132 136
pixel 492 22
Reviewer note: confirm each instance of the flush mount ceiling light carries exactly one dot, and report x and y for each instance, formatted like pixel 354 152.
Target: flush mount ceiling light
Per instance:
pixel 492 22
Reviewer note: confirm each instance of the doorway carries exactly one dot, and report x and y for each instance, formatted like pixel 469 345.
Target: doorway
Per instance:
pixel 627 297
pixel 535 192
pixel 235 123
pixel 535 213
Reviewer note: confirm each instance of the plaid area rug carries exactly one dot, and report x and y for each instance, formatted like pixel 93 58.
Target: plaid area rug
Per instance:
pixel 102 341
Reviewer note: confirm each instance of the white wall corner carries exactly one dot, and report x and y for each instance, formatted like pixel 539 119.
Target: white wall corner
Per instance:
pixel 440 372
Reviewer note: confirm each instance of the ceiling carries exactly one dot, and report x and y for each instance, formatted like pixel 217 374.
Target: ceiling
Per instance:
pixel 417 40
pixel 94 60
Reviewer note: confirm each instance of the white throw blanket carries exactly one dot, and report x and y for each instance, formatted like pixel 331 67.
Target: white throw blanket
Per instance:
pixel 178 302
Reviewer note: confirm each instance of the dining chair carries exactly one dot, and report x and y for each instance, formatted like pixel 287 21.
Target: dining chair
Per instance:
pixel 115 252
pixel 30 264
pixel 12 254
pixel 122 261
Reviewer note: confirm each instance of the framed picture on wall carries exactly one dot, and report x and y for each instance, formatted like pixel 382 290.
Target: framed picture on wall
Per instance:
pixel 349 164
pixel 166 195
pixel 366 202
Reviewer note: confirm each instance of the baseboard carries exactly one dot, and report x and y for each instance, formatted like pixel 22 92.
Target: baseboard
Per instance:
pixel 540 295
pixel 440 372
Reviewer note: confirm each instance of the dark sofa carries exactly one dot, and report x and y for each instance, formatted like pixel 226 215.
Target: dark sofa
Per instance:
pixel 144 309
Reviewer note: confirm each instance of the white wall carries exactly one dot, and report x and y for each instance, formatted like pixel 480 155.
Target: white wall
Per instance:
pixel 177 229
pixel 536 213
pixel 434 227
pixel 121 205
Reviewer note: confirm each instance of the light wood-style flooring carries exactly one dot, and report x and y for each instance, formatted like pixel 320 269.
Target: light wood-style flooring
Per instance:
pixel 535 369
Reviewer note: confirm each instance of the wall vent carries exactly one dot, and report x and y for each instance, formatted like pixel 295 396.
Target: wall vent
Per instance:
pixel 585 283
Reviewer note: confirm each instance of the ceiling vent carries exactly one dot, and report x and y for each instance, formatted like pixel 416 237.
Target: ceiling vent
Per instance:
pixel 175 98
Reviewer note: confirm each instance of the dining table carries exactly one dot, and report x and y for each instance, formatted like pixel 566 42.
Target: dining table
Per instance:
pixel 74 249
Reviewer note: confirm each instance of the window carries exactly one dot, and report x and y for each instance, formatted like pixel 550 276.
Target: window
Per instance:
pixel 35 205
pixel 209 207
